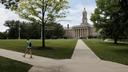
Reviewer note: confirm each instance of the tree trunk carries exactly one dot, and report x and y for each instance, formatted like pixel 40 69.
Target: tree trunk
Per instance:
pixel 43 39
pixel 43 26
pixel 115 41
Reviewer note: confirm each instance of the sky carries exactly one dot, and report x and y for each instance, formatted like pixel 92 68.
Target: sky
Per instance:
pixel 74 17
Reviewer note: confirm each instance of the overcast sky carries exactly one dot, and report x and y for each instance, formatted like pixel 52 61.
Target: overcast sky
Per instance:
pixel 73 17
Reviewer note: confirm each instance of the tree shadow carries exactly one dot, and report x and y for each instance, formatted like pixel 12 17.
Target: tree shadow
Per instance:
pixel 118 44
pixel 41 48
pixel 121 50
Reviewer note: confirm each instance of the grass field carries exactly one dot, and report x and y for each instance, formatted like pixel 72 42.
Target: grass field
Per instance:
pixel 8 65
pixel 109 51
pixel 58 49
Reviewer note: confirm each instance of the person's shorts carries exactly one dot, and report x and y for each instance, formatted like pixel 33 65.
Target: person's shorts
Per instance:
pixel 29 47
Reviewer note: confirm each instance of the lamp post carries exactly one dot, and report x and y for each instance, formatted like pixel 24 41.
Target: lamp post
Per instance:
pixel 19 32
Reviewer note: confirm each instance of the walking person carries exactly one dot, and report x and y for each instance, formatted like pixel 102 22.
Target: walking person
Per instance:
pixel 28 49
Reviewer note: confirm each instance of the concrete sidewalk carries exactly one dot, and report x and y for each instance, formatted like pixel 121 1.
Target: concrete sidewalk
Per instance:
pixel 39 63
pixel 83 60
pixel 83 52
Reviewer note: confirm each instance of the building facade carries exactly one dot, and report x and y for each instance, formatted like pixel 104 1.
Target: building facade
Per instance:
pixel 84 30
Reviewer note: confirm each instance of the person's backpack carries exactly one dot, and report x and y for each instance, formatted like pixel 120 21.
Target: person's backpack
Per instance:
pixel 30 44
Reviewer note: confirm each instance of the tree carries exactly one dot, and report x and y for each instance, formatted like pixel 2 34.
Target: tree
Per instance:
pixel 13 29
pixel 108 19
pixel 26 30
pixel 42 12
pixel 54 31
pixel 10 4
pixel 124 5
pixel 3 35
pixel 124 8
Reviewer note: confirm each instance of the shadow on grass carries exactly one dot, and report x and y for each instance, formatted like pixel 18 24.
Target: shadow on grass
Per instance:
pixel 118 44
pixel 41 48
pixel 122 51
pixel 120 48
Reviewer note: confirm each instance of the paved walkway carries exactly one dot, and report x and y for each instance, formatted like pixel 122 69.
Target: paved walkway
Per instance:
pixel 39 63
pixel 83 52
pixel 83 60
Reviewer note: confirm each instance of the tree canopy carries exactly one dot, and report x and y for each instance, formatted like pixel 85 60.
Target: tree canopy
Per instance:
pixel 109 18
pixel 10 4
pixel 33 9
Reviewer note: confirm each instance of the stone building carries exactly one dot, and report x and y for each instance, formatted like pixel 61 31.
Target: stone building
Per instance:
pixel 84 30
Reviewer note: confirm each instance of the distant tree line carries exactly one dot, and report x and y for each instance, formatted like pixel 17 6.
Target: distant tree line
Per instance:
pixel 31 30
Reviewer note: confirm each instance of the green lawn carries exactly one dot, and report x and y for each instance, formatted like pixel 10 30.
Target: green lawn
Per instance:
pixel 109 51
pixel 58 49
pixel 8 65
